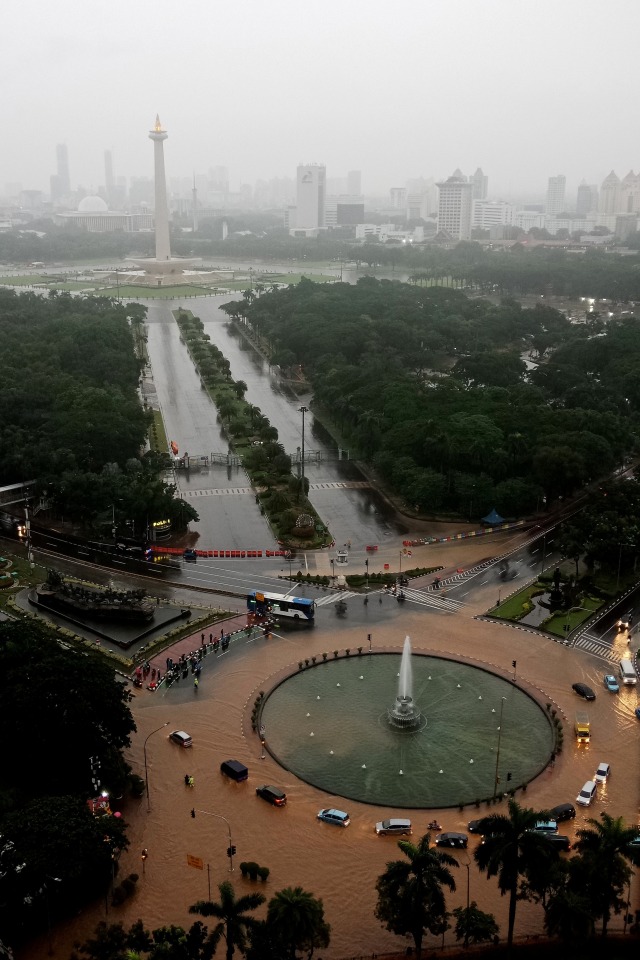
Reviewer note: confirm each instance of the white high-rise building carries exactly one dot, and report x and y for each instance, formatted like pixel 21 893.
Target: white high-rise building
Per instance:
pixel 454 207
pixel 609 202
pixel 555 194
pixel 310 199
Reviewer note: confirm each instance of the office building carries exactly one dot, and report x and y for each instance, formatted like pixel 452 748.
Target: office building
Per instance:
pixel 587 199
pixel 480 185
pixel 343 211
pixel 310 200
pixel 630 194
pixel 492 213
pixel 454 207
pixel 609 200
pixel 555 195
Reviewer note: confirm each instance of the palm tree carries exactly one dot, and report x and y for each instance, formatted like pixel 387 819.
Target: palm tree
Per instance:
pixel 410 895
pixel 297 921
pixel 232 914
pixel 604 848
pixel 509 849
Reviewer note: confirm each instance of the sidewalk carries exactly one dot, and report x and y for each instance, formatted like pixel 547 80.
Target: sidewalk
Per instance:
pixel 192 643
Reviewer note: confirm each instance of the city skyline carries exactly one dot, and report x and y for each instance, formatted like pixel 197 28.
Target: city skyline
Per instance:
pixel 522 91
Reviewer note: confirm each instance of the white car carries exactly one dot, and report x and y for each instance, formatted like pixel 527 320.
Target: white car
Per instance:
pixel 587 793
pixel 602 773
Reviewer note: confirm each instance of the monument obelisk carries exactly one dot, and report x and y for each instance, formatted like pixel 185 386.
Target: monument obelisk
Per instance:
pixel 161 214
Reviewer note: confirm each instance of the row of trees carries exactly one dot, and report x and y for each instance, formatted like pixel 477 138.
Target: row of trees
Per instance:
pixel 70 414
pixel 282 496
pixel 433 389
pixel 58 710
pixel 575 893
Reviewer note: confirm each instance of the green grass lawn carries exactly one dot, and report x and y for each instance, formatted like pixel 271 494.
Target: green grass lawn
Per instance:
pixel 23 281
pixel 127 292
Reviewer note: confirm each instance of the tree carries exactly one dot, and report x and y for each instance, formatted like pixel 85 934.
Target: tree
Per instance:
pixel 605 850
pixel 410 895
pixel 473 925
pixel 296 919
pixel 510 846
pixel 233 916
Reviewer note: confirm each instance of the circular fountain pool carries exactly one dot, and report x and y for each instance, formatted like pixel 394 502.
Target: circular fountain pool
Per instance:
pixel 329 725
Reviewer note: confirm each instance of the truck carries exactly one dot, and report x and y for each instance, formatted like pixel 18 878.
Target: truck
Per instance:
pixel 582 727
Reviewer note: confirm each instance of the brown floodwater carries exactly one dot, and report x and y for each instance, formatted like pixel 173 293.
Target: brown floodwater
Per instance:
pixel 339 865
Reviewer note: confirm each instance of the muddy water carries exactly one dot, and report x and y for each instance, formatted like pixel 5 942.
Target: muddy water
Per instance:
pixel 339 865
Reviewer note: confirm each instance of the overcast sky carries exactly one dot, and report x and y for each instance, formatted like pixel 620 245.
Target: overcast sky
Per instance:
pixel 524 89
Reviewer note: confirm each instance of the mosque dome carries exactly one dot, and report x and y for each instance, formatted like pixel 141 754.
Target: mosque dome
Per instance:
pixel 92 205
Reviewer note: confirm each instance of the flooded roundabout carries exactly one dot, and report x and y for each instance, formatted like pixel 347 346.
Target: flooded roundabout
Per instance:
pixel 406 730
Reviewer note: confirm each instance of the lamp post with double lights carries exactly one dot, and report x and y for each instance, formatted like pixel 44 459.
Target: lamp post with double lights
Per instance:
pixel 146 770
pixel 497 777
pixel 230 849
pixel 302 410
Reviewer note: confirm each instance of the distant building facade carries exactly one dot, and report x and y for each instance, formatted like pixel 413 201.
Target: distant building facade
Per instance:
pixel 455 207
pixel 556 194
pixel 310 201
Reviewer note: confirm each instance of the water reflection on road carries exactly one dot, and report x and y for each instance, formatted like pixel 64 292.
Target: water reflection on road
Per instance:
pixel 354 514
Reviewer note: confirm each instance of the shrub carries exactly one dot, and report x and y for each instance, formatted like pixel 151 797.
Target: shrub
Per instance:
pixel 324 656
pixel 244 868
pixel 252 870
pixel 335 653
pixel 263 873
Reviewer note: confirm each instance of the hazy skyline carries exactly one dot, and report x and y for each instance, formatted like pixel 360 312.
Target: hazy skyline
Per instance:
pixel 525 89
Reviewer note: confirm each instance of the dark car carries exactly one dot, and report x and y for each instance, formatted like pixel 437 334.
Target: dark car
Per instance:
pixel 558 840
pixel 475 826
pixel 272 794
pixel 451 840
pixel 564 811
pixel 190 556
pixel 583 691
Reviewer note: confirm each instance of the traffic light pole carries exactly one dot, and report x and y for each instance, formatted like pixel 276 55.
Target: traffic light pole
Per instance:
pixel 230 849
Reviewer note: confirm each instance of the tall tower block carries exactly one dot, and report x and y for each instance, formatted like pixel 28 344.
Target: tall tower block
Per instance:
pixel 163 248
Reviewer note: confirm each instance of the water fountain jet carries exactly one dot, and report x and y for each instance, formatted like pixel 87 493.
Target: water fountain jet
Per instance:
pixel 404 714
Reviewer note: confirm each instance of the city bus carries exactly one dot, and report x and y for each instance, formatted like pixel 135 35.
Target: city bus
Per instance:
pixel 278 605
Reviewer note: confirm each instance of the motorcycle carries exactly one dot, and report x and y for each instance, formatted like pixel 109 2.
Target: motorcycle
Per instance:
pixel 434 825
pixel 341 608
pixel 400 597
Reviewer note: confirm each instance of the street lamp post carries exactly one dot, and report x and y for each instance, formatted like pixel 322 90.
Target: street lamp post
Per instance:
pixel 495 783
pixel 46 894
pixel 146 771
pixel 544 553
pixel 302 410
pixel 333 569
pixel 467 864
pixel 366 563
pixel 231 848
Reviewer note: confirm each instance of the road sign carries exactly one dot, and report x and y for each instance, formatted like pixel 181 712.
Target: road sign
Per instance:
pixel 196 862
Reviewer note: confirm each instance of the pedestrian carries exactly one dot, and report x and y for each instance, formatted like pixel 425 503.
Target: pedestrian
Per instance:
pixel 191 782
pixel 195 684
pixel 222 633
pixel 210 638
pixel 202 638
pixel 186 779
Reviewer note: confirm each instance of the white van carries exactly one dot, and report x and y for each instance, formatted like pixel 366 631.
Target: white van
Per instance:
pixel 587 793
pixel 627 671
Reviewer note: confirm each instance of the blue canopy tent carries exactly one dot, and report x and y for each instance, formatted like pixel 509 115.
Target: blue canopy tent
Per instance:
pixel 493 519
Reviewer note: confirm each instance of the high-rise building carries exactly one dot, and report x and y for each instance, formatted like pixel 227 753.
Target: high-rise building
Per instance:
pixel 60 184
pixel 398 197
pixel 609 202
pixel 354 183
pixel 310 197
pixel 480 185
pixel 555 194
pixel 454 207
pixel 587 199
pixel 630 194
